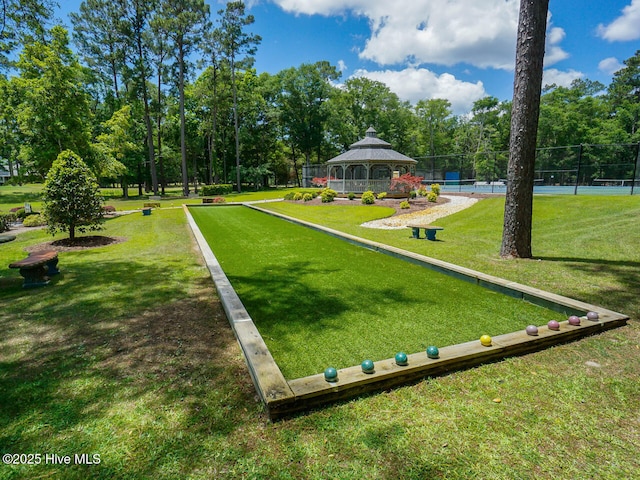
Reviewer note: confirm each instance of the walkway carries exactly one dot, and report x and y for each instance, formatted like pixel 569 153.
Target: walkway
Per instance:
pixel 424 217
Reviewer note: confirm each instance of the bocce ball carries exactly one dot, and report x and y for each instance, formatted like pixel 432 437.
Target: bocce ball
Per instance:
pixel 330 374
pixel 553 325
pixel 531 330
pixel 485 340
pixel 367 366
pixel 574 320
pixel 593 316
pixel 432 351
pixel 401 359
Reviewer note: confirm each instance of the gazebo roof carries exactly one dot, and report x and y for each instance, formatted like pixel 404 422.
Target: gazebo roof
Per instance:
pixel 371 149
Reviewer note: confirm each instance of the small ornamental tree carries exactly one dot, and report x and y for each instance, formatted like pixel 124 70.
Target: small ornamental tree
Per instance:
pixel 71 197
pixel 406 183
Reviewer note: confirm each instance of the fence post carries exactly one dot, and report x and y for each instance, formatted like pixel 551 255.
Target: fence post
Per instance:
pixel 635 167
pixel 575 190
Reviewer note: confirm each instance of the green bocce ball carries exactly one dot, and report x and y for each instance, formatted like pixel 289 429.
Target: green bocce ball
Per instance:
pixel 433 352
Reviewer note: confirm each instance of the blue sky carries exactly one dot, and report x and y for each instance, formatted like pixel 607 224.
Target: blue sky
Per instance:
pixel 461 50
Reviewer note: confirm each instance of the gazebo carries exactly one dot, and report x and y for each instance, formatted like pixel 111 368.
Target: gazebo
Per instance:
pixel 369 164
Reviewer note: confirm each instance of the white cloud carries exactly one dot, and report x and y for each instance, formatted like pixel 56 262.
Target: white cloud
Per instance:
pixel 624 28
pixel 342 66
pixel 610 65
pixel 415 84
pixel 553 52
pixel 561 79
pixel 415 32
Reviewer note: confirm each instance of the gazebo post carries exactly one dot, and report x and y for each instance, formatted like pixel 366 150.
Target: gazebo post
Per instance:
pixel 367 168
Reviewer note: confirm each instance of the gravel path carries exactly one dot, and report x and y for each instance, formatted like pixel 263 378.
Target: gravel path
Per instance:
pixel 424 217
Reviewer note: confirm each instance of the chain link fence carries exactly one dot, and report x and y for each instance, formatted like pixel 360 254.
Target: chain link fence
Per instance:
pixel 587 168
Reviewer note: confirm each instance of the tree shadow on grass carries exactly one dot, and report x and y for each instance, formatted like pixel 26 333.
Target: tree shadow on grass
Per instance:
pixel 625 273
pixel 300 295
pixel 87 365
pixel 308 313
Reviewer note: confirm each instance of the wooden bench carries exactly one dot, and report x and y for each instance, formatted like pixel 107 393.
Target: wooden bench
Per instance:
pixel 429 231
pixel 37 268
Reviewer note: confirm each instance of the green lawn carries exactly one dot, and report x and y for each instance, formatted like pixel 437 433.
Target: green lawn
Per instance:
pixel 128 354
pixel 319 301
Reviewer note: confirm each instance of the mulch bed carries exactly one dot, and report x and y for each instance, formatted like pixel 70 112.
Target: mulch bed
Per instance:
pixel 79 243
pixel 417 204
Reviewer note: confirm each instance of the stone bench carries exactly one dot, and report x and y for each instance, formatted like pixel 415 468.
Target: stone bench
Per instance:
pixel 429 231
pixel 37 268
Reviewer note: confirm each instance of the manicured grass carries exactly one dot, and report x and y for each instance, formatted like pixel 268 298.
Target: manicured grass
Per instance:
pixel 159 388
pixel 173 198
pixel 319 301
pixel 581 244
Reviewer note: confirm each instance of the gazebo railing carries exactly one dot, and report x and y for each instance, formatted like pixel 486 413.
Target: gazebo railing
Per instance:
pixel 359 186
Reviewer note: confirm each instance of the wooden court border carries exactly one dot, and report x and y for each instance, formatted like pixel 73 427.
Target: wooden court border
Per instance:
pixel 283 397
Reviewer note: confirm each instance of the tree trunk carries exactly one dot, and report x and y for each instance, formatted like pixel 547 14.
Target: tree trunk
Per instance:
pixel 183 139
pixel 125 188
pixel 147 116
pixel 532 24
pixel 159 129
pixel 235 123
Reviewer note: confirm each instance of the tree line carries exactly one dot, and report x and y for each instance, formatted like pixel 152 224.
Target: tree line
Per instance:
pixel 165 91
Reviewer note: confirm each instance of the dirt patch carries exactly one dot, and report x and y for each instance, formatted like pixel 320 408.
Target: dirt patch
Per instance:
pixel 79 243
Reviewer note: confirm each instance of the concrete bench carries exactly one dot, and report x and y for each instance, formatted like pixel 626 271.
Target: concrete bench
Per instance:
pixel 37 268
pixel 429 231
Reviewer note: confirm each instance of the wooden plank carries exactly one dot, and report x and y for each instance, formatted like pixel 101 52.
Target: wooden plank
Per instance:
pixel 315 390
pixel 283 398
pixel 267 378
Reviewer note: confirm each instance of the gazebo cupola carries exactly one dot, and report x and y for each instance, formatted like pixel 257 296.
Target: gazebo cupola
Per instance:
pixel 369 164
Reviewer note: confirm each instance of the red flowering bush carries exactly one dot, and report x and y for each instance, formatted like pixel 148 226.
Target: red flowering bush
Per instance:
pixel 406 183
pixel 321 181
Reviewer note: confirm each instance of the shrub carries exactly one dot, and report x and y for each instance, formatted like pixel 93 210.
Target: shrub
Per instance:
pixel 422 191
pixel 19 212
pixel 351 196
pixel 435 188
pixel 432 197
pixel 382 195
pixel 5 220
pixel 328 195
pixel 368 198
pixel 412 194
pixel 218 189
pixel 289 195
pixel 297 196
pixel 307 197
pixel 405 204
pixel 34 221
pixel 71 196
